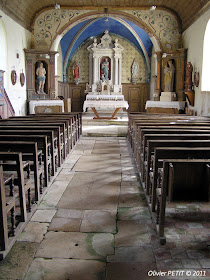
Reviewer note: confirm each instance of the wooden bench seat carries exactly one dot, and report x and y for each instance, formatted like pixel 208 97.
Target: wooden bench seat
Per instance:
pixel 195 178
pixel 48 131
pixel 176 153
pixel 153 144
pixel 9 199
pixel 26 147
pixel 160 130
pixel 64 130
pixel 39 126
pixel 145 155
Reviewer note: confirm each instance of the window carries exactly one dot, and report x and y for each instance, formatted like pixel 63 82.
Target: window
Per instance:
pixel 205 85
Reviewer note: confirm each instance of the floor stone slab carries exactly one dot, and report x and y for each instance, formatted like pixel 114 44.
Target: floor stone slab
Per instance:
pixel 131 233
pixel 76 245
pixel 43 216
pixel 69 213
pixel 33 232
pixel 99 221
pixel 92 192
pixel 133 254
pixel 18 260
pixel 99 163
pixel 54 194
pixel 64 269
pixel 64 224
pixel 130 271
pixel 134 213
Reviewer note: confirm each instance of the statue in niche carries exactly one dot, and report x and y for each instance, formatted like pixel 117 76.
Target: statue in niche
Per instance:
pixel 105 69
pixel 169 72
pixel 76 72
pixel 41 72
pixel 134 71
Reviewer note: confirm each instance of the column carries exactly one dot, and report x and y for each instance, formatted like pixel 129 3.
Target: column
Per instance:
pixel 116 70
pixel 183 54
pixel 90 69
pixel 158 83
pixel 120 70
pixel 94 69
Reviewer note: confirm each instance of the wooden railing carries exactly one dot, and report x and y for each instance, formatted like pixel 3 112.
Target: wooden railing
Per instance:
pixel 6 109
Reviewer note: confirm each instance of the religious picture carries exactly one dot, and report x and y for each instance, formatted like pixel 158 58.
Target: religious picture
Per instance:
pixel 41 72
pixel 105 69
pixel 76 72
pixel 169 76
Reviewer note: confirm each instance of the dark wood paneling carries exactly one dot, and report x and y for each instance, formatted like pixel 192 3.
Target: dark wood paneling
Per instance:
pixel 136 95
pixel 75 92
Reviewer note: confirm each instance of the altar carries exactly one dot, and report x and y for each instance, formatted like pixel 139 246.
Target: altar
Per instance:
pixel 104 90
pixel 45 106
pixel 162 107
pixel 105 102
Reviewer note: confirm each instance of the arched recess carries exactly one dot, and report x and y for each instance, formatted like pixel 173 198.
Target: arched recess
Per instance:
pixel 3 49
pixel 123 19
pixel 205 83
pixel 119 15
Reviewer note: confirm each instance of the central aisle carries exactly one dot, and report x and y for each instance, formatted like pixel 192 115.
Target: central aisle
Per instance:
pixel 100 226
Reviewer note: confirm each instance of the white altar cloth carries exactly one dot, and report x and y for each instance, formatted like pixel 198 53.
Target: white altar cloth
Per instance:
pixel 104 105
pixel 180 105
pixel 105 97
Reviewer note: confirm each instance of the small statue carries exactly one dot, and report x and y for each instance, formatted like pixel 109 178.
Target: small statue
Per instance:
pixel 134 71
pixel 76 72
pixel 188 81
pixel 105 69
pixel 169 76
pixel 41 72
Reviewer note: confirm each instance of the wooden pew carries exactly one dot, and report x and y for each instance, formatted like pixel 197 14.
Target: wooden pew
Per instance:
pixel 39 126
pixel 169 120
pixel 30 152
pixel 51 132
pixel 8 201
pixel 176 153
pixel 42 144
pixel 153 144
pixel 146 154
pixel 53 119
pixel 138 139
pixel 64 128
pixel 196 174
pixel 160 130
pixel 76 120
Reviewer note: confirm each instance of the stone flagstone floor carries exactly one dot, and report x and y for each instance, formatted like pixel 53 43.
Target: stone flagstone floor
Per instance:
pixel 94 224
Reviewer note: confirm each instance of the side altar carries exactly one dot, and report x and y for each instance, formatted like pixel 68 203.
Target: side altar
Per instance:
pixel 104 90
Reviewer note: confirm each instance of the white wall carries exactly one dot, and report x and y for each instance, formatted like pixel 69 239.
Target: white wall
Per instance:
pixel 193 39
pixel 16 39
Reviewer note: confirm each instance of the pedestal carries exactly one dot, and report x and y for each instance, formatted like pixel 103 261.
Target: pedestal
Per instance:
pixel 168 96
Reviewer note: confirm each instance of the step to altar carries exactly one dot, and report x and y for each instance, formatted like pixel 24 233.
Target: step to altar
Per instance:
pixel 105 127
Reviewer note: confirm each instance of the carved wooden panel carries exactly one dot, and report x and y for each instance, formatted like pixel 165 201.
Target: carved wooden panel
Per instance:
pixel 75 92
pixel 136 95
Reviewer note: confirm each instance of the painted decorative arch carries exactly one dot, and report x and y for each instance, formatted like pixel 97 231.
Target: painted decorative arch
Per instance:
pixel 121 21
pixel 161 25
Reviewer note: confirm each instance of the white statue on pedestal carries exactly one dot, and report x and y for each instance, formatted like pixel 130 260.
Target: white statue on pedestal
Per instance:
pixel 134 71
